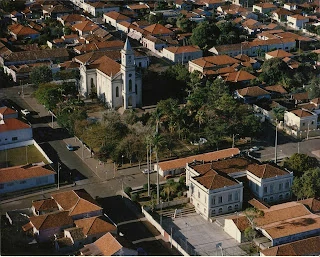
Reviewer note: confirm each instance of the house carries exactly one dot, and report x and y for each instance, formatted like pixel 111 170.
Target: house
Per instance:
pixel 313 204
pixel 231 9
pixel 7 113
pixel 19 31
pixel 252 94
pixel 78 203
pixel 301 97
pixel 109 245
pixel 41 207
pixel 71 240
pixel 13 131
pixel 17 178
pixel 177 166
pixel 304 247
pixel 280 15
pixel 276 90
pixel 287 223
pixel 264 8
pixel 251 26
pixel 85 27
pixel 95 227
pixel 265 108
pixel 290 6
pixel 301 123
pixel 235 226
pixel 181 54
pixel 27 57
pixel 211 63
pixel 113 18
pixel 241 77
pixel 124 26
pixel 215 187
pixel 247 61
pixel 55 11
pixel 98 46
pixel 45 226
pixel 117 85
pixel 277 54
pixel 183 5
pixel 297 21
pixel 158 30
pixel 71 19
pixel 98 8
pixel 140 9
pixel 154 44
pixel 213 4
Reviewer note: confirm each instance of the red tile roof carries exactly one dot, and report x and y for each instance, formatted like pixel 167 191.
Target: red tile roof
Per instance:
pixel 239 76
pixel 44 205
pixel 20 30
pixel 277 89
pixel 182 49
pixel 312 203
pixel 181 163
pixel 116 16
pixel 302 113
pixel 23 172
pixel 12 124
pixel 51 220
pixel 94 225
pixel 241 222
pixel 211 61
pixel 7 111
pixel 106 65
pixel 85 26
pixel 279 53
pixel 266 170
pixel 252 91
pixel 158 29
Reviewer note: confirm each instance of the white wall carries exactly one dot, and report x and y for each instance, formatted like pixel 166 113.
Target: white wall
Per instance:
pixel 6 137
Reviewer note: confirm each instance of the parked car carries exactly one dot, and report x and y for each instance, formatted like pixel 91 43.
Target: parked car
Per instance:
pixel 25 112
pixel 254 149
pixel 146 171
pixel 70 147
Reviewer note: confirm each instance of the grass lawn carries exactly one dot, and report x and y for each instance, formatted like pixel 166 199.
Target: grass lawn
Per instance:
pixel 21 156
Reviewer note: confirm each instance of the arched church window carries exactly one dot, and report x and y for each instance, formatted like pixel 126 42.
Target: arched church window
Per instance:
pixel 117 91
pixel 130 85
pixel 136 89
pixel 130 75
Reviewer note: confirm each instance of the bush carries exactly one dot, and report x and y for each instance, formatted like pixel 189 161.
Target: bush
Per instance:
pixel 128 190
pixel 182 180
pixel 180 194
pixel 153 186
pixel 145 186
pixel 135 197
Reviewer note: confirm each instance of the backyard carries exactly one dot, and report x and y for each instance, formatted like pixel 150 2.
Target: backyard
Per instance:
pixel 21 156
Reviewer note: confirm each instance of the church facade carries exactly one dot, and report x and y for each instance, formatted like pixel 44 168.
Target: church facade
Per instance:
pixel 117 85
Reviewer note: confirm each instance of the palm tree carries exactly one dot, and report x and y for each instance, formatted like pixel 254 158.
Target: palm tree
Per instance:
pixel 200 117
pixel 157 142
pixel 157 116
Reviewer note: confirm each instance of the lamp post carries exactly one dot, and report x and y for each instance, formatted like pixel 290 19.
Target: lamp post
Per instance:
pixel 233 136
pixel 161 214
pixel 122 159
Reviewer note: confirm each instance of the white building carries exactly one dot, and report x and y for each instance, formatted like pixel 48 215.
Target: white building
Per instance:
pixel 118 85
pixel 14 131
pixel 113 18
pixel 297 21
pixel 97 9
pixel 23 177
pixel 181 54
pixel 215 188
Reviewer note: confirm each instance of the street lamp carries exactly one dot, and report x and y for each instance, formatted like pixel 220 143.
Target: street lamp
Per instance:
pixel 122 159
pixel 233 136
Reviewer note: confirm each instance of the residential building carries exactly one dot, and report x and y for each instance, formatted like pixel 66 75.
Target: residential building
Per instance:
pixel 98 46
pixel 235 226
pixel 85 27
pixel 154 44
pixel 158 30
pixel 177 166
pixel 301 123
pixel 305 247
pixel 55 11
pixel 211 63
pixel 140 9
pixel 241 77
pixel 71 19
pixel 252 94
pixel 264 8
pixel 277 54
pixel 17 178
pixel 117 85
pixel 109 245
pixel 19 31
pixel 7 113
pixel 280 15
pixel 216 188
pixel 98 8
pixel 41 207
pixel 181 54
pixel 297 21
pixel 113 18
pixel 14 131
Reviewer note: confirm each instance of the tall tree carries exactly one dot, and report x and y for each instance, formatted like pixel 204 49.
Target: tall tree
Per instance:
pixel 157 142
pixel 300 163
pixel 308 185
pixel 40 74
pixel 205 34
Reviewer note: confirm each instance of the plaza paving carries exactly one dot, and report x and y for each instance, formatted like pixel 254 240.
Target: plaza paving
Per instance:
pixel 203 236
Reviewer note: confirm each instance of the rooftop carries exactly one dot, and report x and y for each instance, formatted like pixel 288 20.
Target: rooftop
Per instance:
pixel 253 91
pixel 51 220
pixel 94 225
pixel 302 113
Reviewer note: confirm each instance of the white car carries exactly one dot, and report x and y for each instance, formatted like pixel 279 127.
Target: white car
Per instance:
pixel 254 149
pixel 25 112
pixel 146 171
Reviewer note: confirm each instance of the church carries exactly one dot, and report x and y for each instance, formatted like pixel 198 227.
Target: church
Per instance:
pixel 117 85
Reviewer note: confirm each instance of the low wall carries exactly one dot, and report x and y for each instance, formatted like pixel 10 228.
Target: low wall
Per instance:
pixel 164 233
pixel 171 203
pixel 41 151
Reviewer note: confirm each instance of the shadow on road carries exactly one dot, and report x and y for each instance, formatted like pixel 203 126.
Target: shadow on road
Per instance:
pixel 45 134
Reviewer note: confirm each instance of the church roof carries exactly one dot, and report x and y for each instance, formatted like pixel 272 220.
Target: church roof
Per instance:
pixel 106 65
pixel 127 46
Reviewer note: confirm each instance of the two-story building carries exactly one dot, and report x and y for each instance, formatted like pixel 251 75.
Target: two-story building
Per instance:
pixel 181 54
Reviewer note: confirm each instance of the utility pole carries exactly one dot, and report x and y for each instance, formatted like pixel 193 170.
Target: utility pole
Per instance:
pixel 308 130
pixel 59 166
pixel 148 168
pixel 276 143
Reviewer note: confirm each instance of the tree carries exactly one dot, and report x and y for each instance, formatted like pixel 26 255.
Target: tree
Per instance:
pixel 157 142
pixel 41 74
pixel 278 113
pixel 300 163
pixel 204 35
pixel 314 88
pixel 184 23
pixel 273 71
pixel 308 185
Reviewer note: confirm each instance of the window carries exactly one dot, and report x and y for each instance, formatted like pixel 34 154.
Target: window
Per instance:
pixel 287 195
pixel 271 188
pixel 280 197
pixel 1 186
pixel 303 124
pixel 198 194
pixel 265 199
pixel 130 85
pixel 213 200
pixel 117 91
pixel 220 199
pixel 140 64
pixel 229 208
pixel 205 199
pixel 220 210
pixel 312 122
pixel 280 186
pixel 229 197
pixel 265 189
pixel 236 196
pixel 23 182
pixel 198 205
pixel 213 212
pixel 286 185
pixel 14 138
pixel 136 88
pixel 271 198
pixel 130 75
pixel 236 207
pixel 204 210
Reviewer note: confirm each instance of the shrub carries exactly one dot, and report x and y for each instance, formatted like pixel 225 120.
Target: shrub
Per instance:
pixel 135 197
pixel 153 186
pixel 145 186
pixel 182 180
pixel 128 190
pixel 180 194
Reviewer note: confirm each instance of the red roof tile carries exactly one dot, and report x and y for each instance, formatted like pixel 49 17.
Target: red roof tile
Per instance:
pixel 51 220
pixel 12 124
